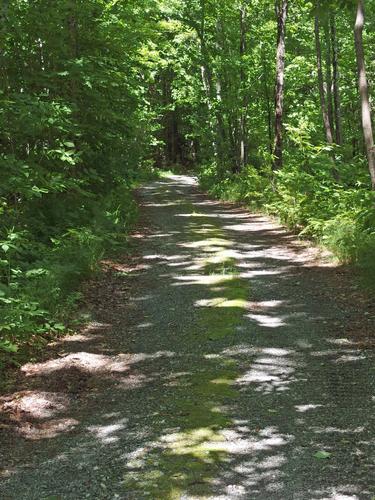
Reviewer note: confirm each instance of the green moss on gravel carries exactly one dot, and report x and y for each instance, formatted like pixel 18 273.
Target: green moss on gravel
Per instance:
pixel 188 457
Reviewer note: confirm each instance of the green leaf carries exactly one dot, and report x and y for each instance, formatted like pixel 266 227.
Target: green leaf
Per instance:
pixel 322 455
pixel 8 346
pixel 5 247
pixel 32 273
pixel 58 326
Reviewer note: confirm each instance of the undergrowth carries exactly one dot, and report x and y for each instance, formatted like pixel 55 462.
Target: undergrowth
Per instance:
pixel 42 265
pixel 338 214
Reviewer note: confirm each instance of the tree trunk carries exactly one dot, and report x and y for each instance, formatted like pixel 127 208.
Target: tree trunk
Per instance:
pixel 336 82
pixel 222 132
pixel 267 100
pixel 329 76
pixel 206 75
pixel 363 90
pixel 212 93
pixel 326 122
pixel 243 124
pixel 281 15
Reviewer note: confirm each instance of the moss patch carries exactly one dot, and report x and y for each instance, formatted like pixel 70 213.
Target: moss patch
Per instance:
pixel 190 448
pixel 188 458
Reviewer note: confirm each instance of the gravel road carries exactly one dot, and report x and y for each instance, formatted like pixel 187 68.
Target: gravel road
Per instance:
pixel 219 365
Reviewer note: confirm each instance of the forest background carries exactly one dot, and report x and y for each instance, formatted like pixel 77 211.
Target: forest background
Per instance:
pixel 266 101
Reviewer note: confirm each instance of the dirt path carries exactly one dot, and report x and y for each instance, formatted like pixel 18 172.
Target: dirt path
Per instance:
pixel 219 365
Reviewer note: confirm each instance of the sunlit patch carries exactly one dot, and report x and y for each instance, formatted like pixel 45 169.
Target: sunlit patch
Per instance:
pixel 85 361
pixel 267 304
pixel 264 319
pixel 222 262
pixel 184 263
pixel 272 371
pixel 225 381
pixel 37 404
pixel 91 363
pixel 343 341
pixel 192 214
pixel 160 205
pixel 261 272
pixel 198 443
pixel 154 256
pixel 208 245
pixel 243 349
pixel 222 302
pixel 205 229
pixel 337 430
pixel 48 429
pixel 75 338
pixel 108 433
pixel 350 358
pixel 199 279
pixel 163 235
pixel 308 407
pixel 278 351
pixel 332 353
pixel 145 325
pixel 265 440
pixel 267 321
pixel 92 331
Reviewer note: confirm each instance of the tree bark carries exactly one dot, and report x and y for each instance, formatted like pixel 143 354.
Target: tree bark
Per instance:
pixel 322 94
pixel 243 124
pixel 363 91
pixel 329 76
pixel 206 74
pixel 281 7
pixel 336 82
pixel 212 94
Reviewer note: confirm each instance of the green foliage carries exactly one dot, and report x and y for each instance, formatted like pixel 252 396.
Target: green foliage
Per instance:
pixel 311 203
pixel 40 280
pixel 92 93
pixel 219 72
pixel 76 133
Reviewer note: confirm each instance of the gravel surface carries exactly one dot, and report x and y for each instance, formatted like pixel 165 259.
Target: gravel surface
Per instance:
pixel 220 365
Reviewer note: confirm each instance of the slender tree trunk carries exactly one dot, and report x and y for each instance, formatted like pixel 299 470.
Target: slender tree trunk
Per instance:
pixel 363 90
pixel 267 101
pixel 243 124
pixel 329 76
pixel 207 76
pixel 336 82
pixel 213 92
pixel 322 94
pixel 281 15
pixel 222 132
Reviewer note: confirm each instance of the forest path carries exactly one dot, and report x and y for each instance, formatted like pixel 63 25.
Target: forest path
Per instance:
pixel 219 365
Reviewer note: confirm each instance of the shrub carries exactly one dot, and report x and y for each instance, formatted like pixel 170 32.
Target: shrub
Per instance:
pixel 338 214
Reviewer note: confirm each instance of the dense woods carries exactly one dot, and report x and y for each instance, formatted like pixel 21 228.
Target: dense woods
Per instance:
pixel 268 101
pixel 75 128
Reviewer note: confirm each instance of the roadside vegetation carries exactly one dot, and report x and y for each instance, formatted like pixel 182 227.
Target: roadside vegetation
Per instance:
pixel 73 145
